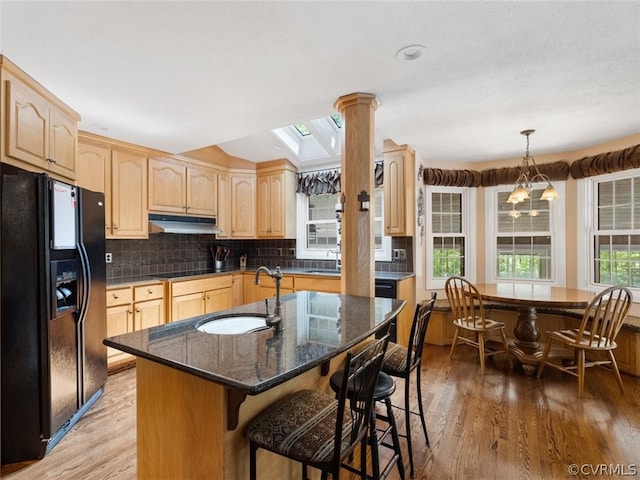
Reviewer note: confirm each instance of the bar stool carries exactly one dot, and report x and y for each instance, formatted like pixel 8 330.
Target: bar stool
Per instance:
pixel 400 361
pixel 385 386
pixel 320 430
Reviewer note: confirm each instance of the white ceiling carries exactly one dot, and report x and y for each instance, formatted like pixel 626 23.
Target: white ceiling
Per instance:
pixel 178 76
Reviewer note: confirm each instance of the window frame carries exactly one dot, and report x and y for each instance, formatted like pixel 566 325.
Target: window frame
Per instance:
pixel 383 254
pixel 557 232
pixel 587 223
pixel 468 227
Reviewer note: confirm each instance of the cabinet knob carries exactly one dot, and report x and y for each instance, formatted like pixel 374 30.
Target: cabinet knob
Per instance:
pixel 129 312
pixel 115 296
pixel 115 227
pixel 188 207
pixel 137 310
pixel 149 291
pixel 53 160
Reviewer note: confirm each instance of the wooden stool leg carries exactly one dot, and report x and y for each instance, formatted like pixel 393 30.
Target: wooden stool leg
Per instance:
pixel 581 355
pixel 614 367
pixel 481 349
pixel 455 343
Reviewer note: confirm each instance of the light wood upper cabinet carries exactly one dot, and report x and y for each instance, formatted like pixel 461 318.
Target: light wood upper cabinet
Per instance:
pixel 92 166
pixel 167 186
pixel 202 197
pixel 223 221
pixel 243 205
pixel 276 206
pixel 41 135
pixel 129 214
pixel 182 189
pixel 399 192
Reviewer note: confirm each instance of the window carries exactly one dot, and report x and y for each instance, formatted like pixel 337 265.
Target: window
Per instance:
pixel 523 243
pixel 318 227
pixel 613 202
pixel 449 243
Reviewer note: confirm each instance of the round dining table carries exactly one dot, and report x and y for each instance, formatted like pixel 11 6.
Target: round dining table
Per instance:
pixel 528 298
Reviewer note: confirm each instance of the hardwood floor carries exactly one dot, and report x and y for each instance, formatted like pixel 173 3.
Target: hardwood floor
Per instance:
pixel 504 425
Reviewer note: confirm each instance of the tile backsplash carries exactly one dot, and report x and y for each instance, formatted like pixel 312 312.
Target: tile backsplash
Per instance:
pixel 168 253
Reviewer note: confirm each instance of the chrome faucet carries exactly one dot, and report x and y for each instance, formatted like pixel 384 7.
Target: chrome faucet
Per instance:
pixel 274 319
pixel 336 252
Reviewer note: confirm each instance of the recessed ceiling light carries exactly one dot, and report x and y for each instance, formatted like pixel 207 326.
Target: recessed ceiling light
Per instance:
pixel 410 53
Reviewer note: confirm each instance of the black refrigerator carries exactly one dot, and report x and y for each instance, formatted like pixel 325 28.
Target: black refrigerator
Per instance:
pixel 53 365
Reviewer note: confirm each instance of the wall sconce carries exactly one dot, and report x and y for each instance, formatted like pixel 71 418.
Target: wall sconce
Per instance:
pixel 340 204
pixel 363 198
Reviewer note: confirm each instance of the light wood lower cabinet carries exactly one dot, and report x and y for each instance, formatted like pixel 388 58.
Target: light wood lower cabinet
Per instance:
pixel 317 284
pixel 131 308
pixel 267 287
pixel 191 298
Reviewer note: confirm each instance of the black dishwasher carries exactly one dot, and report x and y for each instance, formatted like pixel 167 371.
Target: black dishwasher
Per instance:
pixel 387 289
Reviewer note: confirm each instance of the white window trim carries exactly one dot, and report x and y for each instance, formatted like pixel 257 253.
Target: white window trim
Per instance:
pixel 302 253
pixel 468 231
pixel 558 244
pixel 586 228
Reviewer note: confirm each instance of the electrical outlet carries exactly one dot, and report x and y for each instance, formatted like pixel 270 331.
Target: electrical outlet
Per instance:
pixel 399 254
pixel 258 251
pixel 292 252
pixel 279 250
pixel 108 257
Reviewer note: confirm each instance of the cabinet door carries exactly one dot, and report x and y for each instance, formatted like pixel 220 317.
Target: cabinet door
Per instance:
pixel 202 197
pixel 27 125
pixel 219 299
pixel 63 139
pixel 243 203
pixel 237 290
pixel 91 167
pixel 394 216
pixel 129 217
pixel 148 314
pixel 224 206
pixel 278 205
pixel 167 187
pixel 187 306
pixel 119 321
pixel 264 206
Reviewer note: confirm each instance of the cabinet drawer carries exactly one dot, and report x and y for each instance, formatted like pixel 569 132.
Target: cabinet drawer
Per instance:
pixel 148 292
pixel 200 285
pixel 119 296
pixel 318 284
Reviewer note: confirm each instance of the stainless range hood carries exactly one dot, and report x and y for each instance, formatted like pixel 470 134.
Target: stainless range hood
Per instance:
pixel 180 224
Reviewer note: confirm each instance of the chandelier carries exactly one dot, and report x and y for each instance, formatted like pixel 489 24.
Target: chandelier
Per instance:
pixel 529 175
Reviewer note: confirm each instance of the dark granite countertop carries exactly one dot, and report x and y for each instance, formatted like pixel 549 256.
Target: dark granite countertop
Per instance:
pixel 317 327
pixel 395 276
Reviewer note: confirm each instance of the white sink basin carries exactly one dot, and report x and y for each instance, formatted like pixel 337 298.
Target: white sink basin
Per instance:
pixel 236 325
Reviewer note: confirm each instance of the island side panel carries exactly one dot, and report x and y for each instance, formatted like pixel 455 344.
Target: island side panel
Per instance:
pixel 271 466
pixel 180 424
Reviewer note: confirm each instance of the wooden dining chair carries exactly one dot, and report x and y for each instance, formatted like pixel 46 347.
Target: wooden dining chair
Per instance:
pixel 468 314
pixel 320 430
pixel 599 327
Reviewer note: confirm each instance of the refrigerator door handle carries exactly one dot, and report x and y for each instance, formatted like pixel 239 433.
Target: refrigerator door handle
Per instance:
pixel 85 268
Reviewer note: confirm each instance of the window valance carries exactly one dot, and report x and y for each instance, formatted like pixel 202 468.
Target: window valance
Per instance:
pixel 451 178
pixel 609 162
pixel 556 171
pixel 490 177
pixel 321 182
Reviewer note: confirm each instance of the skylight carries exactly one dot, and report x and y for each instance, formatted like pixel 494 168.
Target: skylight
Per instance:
pixel 302 129
pixel 318 139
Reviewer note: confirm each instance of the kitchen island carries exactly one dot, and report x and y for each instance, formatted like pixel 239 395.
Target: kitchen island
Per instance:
pixel 196 391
